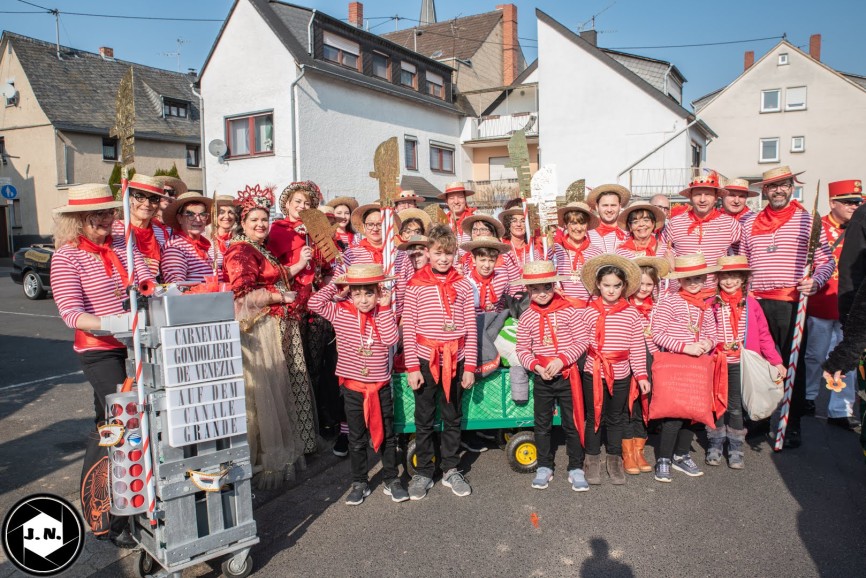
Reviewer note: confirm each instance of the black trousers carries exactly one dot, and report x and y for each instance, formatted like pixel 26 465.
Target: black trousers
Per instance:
pixel 614 416
pixel 636 428
pixel 451 414
pixel 359 435
pixel 546 394
pixel 105 370
pixel 733 416
pixel 781 318
pixel 676 437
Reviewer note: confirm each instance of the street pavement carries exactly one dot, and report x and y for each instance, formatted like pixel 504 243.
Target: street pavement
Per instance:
pixel 798 513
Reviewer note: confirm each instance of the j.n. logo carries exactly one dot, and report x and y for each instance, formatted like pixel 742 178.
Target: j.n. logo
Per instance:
pixel 43 535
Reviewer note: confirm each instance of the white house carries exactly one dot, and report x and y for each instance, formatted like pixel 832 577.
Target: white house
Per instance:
pixel 297 94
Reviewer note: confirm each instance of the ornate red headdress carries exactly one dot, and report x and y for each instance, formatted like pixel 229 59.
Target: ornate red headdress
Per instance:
pixel 255 198
pixel 309 186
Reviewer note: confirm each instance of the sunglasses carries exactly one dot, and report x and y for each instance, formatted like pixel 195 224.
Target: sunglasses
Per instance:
pixel 141 197
pixel 852 202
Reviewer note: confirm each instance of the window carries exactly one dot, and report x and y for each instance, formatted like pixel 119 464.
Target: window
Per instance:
pixel 795 98
pixel 109 149
pixel 192 155
pixel 176 108
pixel 798 193
pixel 435 85
pixel 770 100
pixel 798 144
pixel 341 51
pixel 696 154
pixel 410 149
pixel 783 59
pixel 250 135
pixel 381 66
pixel 408 75
pixel 3 160
pixel 441 158
pixel 769 150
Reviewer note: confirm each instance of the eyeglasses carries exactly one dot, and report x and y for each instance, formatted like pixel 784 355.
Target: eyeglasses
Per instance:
pixel 480 230
pixel 373 226
pixel 775 186
pixel 641 221
pixel 852 202
pixel 104 214
pixel 195 216
pixel 141 197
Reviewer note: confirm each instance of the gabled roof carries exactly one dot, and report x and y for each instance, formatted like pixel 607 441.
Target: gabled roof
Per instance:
pixel 861 80
pixel 78 92
pixel 650 69
pixel 521 78
pixel 456 38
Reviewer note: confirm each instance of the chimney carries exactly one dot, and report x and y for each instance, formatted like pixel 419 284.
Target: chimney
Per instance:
pixel 356 14
pixel 590 36
pixel 106 52
pixel 748 60
pixel 510 44
pixel 815 46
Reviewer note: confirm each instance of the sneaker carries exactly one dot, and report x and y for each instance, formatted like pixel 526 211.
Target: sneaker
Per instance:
pixel 578 480
pixel 454 479
pixel 663 470
pixel 687 465
pixel 418 487
pixel 124 540
pixel 542 478
pixel 395 489
pixel 341 446
pixel 471 443
pixel 360 490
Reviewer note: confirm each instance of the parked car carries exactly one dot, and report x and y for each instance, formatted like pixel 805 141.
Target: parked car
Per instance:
pixel 31 268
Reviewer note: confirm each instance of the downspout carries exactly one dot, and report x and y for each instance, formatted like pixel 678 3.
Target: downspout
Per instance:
pixel 667 74
pixel 310 33
pixel 296 158
pixel 201 145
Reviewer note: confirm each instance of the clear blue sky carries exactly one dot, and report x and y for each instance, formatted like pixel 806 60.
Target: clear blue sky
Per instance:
pixel 624 23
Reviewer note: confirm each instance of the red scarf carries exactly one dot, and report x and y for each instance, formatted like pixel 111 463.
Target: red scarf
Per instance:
pixel 769 220
pixel 458 221
pixel 737 216
pixel 201 244
pixel 604 230
pixel 651 249
pixel 522 254
pixel 366 319
pixel 735 302
pixel 375 252
pixel 425 277
pixel 698 222
pixel 603 312
pixel 558 303
pixel 109 258
pixel 699 300
pixel 645 307
pixel 223 242
pixel 485 289
pixel 145 240
pixel 578 251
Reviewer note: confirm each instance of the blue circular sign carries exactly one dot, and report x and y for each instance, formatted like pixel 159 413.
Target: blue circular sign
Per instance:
pixel 8 192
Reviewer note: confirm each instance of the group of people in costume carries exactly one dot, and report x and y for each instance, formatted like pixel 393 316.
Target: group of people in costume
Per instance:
pixel 619 282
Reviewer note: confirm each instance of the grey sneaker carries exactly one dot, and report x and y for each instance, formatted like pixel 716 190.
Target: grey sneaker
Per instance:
pixel 395 489
pixel 578 480
pixel 418 487
pixel 454 479
pixel 687 465
pixel 542 478
pixel 663 470
pixel 360 490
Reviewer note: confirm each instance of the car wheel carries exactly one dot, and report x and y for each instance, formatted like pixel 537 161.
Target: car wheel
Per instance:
pixel 33 287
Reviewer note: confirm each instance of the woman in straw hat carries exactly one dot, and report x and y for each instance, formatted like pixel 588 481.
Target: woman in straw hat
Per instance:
pixel 550 337
pixel 574 250
pixel 643 222
pixel 189 256
pixel 371 249
pixel 740 323
pixel 346 235
pixel 516 236
pixel 683 323
pixel 145 195
pixel 89 281
pixel 280 409
pixel 615 373
pixel 226 225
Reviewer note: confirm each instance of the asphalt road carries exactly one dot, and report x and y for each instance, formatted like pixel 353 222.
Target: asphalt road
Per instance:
pixel 798 513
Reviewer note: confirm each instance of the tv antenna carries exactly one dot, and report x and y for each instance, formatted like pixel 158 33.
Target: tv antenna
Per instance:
pixel 591 21
pixel 176 53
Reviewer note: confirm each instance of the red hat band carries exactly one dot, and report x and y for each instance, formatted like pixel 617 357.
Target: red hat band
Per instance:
pixel 734 267
pixel 697 267
pixel 370 280
pixel 455 189
pixel 545 275
pixel 96 201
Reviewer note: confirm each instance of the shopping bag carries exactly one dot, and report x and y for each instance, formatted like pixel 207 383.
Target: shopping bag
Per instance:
pixel 682 387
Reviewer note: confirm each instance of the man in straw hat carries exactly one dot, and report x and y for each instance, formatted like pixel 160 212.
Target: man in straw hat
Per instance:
pixel 734 197
pixel 150 234
pixel 455 197
pixel 607 201
pixel 406 199
pixel 702 228
pixel 777 244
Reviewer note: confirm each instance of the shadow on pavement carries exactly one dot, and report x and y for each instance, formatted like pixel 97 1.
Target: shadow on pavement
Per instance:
pixel 601 564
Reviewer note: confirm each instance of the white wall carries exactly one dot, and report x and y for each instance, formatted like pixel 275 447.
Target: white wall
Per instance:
pixel 523 99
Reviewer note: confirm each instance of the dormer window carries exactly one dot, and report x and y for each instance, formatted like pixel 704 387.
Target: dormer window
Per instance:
pixel 435 85
pixel 408 75
pixel 176 108
pixel 341 51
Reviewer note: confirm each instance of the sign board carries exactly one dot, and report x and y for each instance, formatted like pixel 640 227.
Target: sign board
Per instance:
pixel 8 192
pixel 545 189
pixel 208 411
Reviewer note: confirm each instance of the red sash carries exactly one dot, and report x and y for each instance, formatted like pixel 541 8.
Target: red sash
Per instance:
pixel 85 340
pixel 372 407
pixel 787 294
pixel 446 352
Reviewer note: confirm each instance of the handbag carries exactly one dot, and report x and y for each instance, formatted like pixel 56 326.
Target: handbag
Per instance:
pixel 683 387
pixel 759 384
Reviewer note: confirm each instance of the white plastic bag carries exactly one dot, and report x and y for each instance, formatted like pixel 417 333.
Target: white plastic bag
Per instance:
pixel 761 387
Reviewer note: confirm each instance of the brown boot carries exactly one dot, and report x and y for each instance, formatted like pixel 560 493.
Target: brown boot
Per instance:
pixel 642 464
pixel 592 469
pixel 615 470
pixel 629 461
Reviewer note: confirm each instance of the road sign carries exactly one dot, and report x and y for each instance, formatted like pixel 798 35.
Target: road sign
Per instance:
pixel 8 192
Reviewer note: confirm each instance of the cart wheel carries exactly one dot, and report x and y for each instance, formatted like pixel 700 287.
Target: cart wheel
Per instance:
pixel 412 459
pixel 232 569
pixel 521 453
pixel 503 436
pixel 146 564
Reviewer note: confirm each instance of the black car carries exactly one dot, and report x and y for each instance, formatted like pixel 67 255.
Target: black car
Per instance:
pixel 31 267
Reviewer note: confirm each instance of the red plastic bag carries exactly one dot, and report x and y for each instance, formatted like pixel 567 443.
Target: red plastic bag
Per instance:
pixel 683 387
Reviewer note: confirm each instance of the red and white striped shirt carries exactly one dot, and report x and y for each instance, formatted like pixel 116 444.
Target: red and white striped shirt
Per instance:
pixel 161 234
pixel 655 249
pixel 181 262
pixel 362 357
pixel 622 332
pixel 605 243
pixel 725 332
pixel 670 324
pixel 499 285
pixel 564 260
pixel 568 341
pixel 713 239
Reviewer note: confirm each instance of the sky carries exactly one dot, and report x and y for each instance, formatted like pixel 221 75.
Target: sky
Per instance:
pixel 636 26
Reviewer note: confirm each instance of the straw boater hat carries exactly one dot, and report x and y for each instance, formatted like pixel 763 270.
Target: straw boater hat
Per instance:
pixel 741 185
pixel 707 181
pixel 348 201
pixel 422 216
pixel 734 264
pixel 660 264
pixel 623 193
pixel 537 272
pixel 691 266
pixel 455 187
pixel 358 216
pixel 509 213
pixel 414 240
pixel 363 274
pixel 590 269
pixel 147 184
pixel 840 190
pixel 488 242
pixel 172 186
pixel 407 195
pixel 89 197
pixel 622 220
pixel 169 215
pixel 225 200
pixel 580 207
pixel 498 227
pixel 777 174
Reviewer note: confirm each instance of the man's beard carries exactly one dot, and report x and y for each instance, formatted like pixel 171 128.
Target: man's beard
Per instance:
pixel 777 202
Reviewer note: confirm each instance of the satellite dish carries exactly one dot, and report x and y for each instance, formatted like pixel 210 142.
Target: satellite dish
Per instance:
pixel 217 147
pixel 437 54
pixel 9 92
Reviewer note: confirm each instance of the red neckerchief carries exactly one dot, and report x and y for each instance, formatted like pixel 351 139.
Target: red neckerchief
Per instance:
pixel 222 241
pixel 603 312
pixel 109 258
pixel 145 240
pixel 736 303
pixel 604 230
pixel 698 299
pixel 698 222
pixel 375 252
pixel 485 288
pixel 650 250
pixel 556 304
pixel 569 245
pixel 201 245
pixel 769 220
pixel 425 277
pixel 522 254
pixel 458 222
pixel 645 307
pixel 368 318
